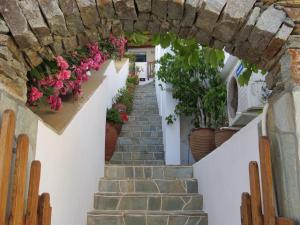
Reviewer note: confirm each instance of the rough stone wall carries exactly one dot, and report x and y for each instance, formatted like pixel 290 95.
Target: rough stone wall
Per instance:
pixel 34 29
pixel 284 131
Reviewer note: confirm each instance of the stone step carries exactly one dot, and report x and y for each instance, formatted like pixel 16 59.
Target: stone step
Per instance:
pixel 138 156
pixel 140 148
pixel 140 127
pixel 148 186
pixel 141 134
pixel 150 202
pixel 144 118
pixel 145 172
pixel 139 112
pixel 140 140
pixel 137 162
pixel 147 218
pixel 150 125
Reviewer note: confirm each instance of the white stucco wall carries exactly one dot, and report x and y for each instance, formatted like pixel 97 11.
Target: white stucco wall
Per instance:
pixel 73 162
pixel 166 105
pixel 223 175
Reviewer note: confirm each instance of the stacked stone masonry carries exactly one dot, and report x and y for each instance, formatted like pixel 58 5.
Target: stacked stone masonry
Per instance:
pixel 254 30
pixel 137 188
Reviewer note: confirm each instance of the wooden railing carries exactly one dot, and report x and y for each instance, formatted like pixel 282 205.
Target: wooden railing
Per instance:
pixel 259 206
pixel 38 209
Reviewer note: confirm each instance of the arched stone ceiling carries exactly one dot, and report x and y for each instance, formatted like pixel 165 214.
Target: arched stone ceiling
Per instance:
pixel 34 29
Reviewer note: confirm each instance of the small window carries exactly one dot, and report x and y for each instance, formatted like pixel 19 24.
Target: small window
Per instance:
pixel 141 58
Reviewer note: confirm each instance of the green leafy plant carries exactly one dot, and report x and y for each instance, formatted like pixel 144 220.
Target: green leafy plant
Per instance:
pixel 213 57
pixel 113 116
pixel 197 85
pixel 246 75
pixel 138 38
pixel 125 97
pixel 133 80
pixel 171 119
pixel 189 49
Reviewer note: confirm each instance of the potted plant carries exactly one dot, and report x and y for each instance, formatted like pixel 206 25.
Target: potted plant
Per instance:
pixel 113 129
pixel 125 97
pixel 200 92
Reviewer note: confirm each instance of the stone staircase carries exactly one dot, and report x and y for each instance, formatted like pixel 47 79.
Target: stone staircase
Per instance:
pixel 138 189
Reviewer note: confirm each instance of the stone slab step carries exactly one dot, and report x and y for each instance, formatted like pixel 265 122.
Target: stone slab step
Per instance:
pixel 148 186
pixel 154 125
pixel 150 202
pixel 137 162
pixel 141 134
pixel 144 118
pixel 142 128
pixel 140 147
pixel 147 218
pixel 138 156
pixel 140 140
pixel 145 172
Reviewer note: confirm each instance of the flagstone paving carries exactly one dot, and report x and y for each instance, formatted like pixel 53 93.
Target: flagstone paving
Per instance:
pixel 137 187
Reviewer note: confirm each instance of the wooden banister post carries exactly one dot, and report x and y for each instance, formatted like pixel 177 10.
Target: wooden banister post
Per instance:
pixel 267 182
pixel 44 210
pixel 33 194
pixel 19 182
pixel 256 204
pixel 6 144
pixel 246 213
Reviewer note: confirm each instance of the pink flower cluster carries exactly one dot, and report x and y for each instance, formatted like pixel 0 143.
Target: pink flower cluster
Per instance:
pixel 119 43
pixel 68 79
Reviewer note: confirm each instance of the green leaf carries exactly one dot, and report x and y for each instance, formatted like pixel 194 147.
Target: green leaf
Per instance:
pixel 156 39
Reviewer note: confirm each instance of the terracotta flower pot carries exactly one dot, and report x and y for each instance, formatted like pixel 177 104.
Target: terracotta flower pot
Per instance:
pixel 222 136
pixel 111 137
pixel 118 127
pixel 202 142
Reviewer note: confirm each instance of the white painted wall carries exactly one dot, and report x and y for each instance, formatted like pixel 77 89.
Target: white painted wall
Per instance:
pixel 167 104
pixel 73 162
pixel 223 175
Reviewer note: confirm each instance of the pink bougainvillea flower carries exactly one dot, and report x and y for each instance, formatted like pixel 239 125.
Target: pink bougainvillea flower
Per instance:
pixel 64 75
pixel 55 102
pixel 34 94
pixel 64 91
pixel 59 84
pixel 62 63
pixel 47 81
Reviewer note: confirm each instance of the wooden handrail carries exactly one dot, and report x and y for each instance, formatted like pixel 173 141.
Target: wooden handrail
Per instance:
pixel 38 210
pixel 255 216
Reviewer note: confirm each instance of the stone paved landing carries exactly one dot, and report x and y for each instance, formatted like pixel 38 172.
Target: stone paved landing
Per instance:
pixel 138 188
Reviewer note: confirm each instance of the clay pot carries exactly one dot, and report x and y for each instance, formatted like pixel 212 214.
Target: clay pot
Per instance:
pixel 202 142
pixel 118 127
pixel 222 136
pixel 111 137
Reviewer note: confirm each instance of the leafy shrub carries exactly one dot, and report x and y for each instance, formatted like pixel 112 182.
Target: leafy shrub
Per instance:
pixel 125 97
pixel 113 116
pixel 133 80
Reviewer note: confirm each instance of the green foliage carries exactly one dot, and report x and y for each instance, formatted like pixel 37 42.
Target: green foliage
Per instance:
pixel 124 96
pixel 113 116
pixel 131 57
pixel 133 80
pixel 246 75
pixel 189 49
pixel 170 119
pixel 138 38
pixel 196 84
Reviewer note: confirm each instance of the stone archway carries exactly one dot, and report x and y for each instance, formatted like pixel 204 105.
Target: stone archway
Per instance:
pixel 35 29
pixel 255 30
